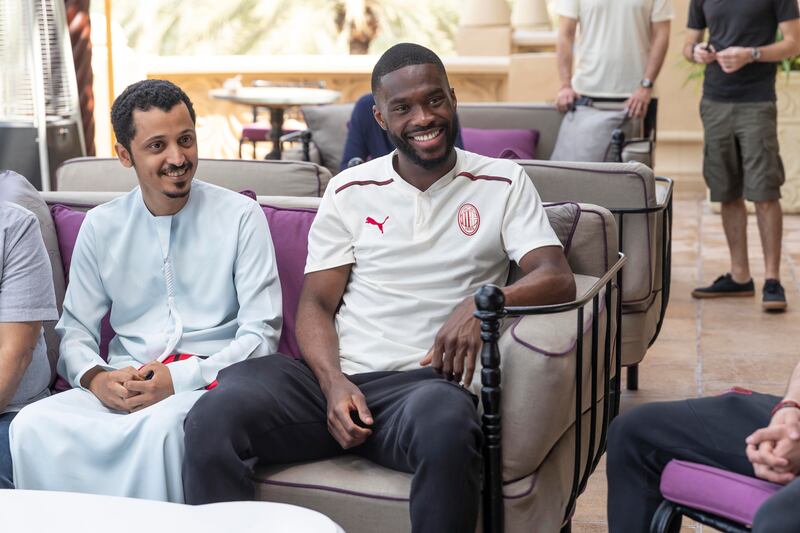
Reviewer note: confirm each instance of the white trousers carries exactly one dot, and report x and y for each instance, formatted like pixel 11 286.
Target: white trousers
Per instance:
pixel 72 442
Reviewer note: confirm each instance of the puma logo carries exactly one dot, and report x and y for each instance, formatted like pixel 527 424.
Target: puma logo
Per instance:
pixel 372 221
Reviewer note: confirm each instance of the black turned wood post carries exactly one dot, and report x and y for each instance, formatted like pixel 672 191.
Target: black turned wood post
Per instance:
pixel 490 302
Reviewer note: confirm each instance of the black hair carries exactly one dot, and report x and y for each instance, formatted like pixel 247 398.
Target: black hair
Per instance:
pixel 143 95
pixel 403 55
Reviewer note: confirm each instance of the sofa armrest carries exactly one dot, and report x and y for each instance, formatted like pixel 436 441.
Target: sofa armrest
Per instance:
pixel 640 150
pixel 303 136
pixel 603 383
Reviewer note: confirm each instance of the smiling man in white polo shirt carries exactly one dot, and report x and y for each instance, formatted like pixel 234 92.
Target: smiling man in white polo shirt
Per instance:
pixel 385 322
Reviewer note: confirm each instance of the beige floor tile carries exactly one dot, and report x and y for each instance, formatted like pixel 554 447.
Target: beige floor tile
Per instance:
pixel 735 369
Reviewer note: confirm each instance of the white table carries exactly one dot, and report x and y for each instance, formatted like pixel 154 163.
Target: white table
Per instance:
pixel 29 511
pixel 276 99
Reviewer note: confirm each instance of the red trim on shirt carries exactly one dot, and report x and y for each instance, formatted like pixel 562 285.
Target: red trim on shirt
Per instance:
pixel 182 356
pixel 473 177
pixel 365 182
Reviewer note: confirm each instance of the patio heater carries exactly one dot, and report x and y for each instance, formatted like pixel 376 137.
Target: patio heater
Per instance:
pixel 40 123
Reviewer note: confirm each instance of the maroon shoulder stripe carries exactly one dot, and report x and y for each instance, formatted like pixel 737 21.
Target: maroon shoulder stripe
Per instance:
pixel 473 177
pixel 364 182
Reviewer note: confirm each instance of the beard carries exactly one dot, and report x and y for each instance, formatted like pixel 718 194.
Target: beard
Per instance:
pixel 174 168
pixel 405 147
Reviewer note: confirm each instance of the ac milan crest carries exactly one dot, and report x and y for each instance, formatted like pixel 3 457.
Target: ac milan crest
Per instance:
pixel 469 220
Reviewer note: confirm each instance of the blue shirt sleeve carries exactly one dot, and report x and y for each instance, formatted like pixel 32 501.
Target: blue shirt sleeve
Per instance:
pixel 362 123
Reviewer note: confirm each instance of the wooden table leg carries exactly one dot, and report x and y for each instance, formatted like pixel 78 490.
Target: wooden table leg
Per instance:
pixel 276 122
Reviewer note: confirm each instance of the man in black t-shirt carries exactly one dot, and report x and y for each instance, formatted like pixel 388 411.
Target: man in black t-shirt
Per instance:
pixel 741 158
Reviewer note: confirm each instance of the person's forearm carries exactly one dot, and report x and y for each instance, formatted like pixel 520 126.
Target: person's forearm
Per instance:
pixel 693 38
pixel 793 390
pixel 564 53
pixel 659 43
pixel 13 365
pixel 541 287
pixel 319 343
pixel 778 51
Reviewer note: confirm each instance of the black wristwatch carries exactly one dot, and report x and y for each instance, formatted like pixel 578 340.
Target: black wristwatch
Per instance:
pixel 646 83
pixel 756 52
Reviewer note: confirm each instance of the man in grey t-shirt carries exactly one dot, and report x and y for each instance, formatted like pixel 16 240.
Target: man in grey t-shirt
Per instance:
pixel 26 298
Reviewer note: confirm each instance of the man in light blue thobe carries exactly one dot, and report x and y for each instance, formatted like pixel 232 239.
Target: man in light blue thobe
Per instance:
pixel 185 268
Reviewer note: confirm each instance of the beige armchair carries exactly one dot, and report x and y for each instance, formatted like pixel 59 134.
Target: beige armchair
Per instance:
pixel 537 459
pixel 642 205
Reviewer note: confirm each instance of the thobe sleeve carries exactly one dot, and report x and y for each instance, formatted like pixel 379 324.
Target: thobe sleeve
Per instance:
pixel 85 304
pixel 258 291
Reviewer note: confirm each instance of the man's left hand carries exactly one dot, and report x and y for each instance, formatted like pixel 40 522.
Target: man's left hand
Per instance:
pixel 457 345
pixel 151 391
pixel 775 449
pixel 637 104
pixel 733 58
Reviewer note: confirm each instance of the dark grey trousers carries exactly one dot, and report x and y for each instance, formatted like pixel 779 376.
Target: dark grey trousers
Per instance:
pixel 709 431
pixel 273 409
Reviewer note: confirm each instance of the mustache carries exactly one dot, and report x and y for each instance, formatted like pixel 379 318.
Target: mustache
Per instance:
pixel 427 128
pixel 187 165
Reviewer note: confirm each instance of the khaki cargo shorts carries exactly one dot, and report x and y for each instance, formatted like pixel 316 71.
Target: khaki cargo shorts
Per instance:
pixel 741 156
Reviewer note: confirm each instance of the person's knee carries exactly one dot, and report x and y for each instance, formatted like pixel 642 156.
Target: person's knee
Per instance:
pixel 627 430
pixel 445 420
pixel 27 421
pixel 214 413
pixel 767 205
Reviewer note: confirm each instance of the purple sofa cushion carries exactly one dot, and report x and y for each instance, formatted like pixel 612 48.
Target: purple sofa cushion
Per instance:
pixel 289 229
pixel 507 144
pixel 68 222
pixel 716 491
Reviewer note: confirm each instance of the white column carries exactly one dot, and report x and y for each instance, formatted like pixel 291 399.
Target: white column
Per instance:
pixel 484 28
pixel 486 13
pixel 531 15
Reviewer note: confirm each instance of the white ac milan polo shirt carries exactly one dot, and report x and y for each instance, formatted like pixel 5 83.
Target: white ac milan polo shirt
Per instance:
pixel 416 255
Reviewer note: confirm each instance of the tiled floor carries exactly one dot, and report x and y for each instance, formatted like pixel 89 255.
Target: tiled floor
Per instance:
pixel 708 346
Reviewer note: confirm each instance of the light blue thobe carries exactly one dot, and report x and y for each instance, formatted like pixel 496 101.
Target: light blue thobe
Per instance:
pixel 203 281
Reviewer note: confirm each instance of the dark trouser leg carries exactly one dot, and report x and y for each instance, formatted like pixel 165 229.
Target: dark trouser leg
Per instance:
pixel 428 426
pixel 6 481
pixel 269 408
pixel 651 118
pixel 781 513
pixel 641 442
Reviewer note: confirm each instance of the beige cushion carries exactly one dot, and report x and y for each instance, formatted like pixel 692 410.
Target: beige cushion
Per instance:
pixel 639 151
pixel 328 125
pixel 585 134
pixel 16 189
pixel 538 363
pixel 283 178
pixel 355 493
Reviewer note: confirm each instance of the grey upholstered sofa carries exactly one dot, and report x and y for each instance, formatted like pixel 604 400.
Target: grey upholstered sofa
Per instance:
pixel 559 364
pixel 327 129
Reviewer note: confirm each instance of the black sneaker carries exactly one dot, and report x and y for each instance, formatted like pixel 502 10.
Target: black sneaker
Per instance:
pixel 725 286
pixel 774 297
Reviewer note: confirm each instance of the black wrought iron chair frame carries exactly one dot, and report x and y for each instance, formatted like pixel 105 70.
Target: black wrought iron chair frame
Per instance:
pixel 668 518
pixel 632 383
pixel 491 309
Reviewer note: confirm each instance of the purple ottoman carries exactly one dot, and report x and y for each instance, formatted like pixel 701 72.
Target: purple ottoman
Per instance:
pixel 731 499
